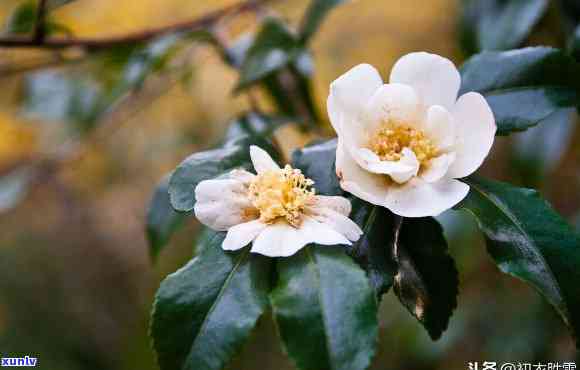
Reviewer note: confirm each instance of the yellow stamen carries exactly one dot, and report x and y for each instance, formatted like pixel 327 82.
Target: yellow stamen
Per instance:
pixel 281 193
pixel 389 141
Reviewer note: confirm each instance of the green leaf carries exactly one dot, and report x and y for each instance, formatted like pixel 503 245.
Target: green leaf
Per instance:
pixel 427 281
pixel 529 240
pixel 22 19
pixel 373 251
pixel 524 86
pixel 317 162
pixel 325 310
pixel 315 14
pixel 162 219
pixel 236 53
pixel 210 164
pixel 498 24
pixel 289 86
pixel 204 312
pixel 254 124
pixel 273 49
pixel 574 44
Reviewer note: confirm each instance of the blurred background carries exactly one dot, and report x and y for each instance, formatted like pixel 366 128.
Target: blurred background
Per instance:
pixel 76 277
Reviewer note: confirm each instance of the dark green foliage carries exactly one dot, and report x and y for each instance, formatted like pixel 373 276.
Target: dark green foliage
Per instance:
pixel 498 24
pixel 254 124
pixel 529 240
pixel 574 44
pixel 525 86
pixel 315 14
pixel 373 251
pixel 325 310
pixel 162 219
pixel 22 19
pixel 317 162
pixel 208 165
pixel 427 281
pixel 274 48
pixel 205 311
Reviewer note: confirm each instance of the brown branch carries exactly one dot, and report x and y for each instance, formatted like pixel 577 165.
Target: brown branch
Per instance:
pixel 197 24
pixel 40 26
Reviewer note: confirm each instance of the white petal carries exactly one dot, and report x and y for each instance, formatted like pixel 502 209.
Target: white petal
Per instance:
pixel 321 233
pixel 282 240
pixel 334 113
pixel 440 127
pixel 337 221
pixel 356 180
pixel 438 167
pixel 221 204
pixel 261 160
pixel 400 171
pixel 241 235
pixel 393 102
pixel 418 198
pixel 278 240
pixel 335 203
pixel 351 91
pixel 475 131
pixel 241 175
pixel 434 78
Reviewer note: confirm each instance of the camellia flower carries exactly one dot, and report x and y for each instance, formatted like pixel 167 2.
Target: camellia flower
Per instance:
pixel 402 145
pixel 277 209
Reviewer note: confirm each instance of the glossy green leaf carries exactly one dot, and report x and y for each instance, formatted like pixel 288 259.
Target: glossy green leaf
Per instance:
pixel 373 251
pixel 254 124
pixel 427 281
pixel 525 86
pixel 315 14
pixel 498 24
pixel 162 220
pixel 325 310
pixel 210 164
pixel 204 312
pixel 273 49
pixel 530 241
pixel 289 86
pixel 317 162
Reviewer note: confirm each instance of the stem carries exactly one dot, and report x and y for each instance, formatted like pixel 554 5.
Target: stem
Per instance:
pixel 39 41
pixel 397 232
pixel 40 26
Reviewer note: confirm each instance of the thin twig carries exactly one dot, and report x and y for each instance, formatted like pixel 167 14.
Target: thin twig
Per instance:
pixel 40 26
pixel 397 232
pixel 197 24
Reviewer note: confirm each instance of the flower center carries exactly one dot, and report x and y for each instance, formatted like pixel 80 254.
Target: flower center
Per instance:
pixel 281 193
pixel 389 141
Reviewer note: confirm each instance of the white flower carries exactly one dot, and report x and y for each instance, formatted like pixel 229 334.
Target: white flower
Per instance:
pixel 402 145
pixel 277 209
